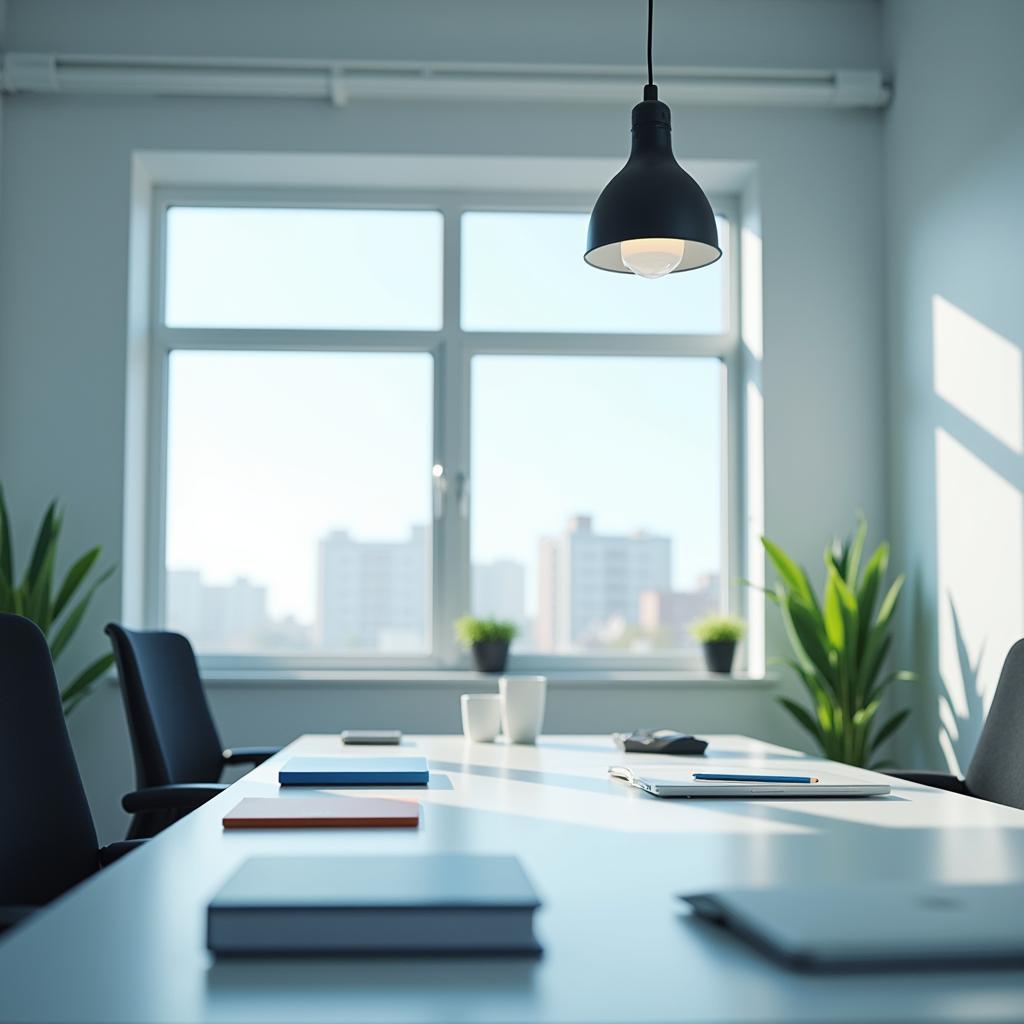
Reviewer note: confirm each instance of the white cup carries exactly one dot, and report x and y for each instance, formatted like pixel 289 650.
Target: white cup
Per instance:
pixel 481 716
pixel 522 707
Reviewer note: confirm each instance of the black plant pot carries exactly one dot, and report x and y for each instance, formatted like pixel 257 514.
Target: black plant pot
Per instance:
pixel 718 656
pixel 491 655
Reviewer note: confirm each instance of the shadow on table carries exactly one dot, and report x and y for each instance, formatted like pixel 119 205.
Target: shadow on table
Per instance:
pixel 586 783
pixel 603 748
pixel 715 753
pixel 283 988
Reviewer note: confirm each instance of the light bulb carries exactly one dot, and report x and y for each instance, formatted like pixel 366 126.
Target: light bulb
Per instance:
pixel 652 257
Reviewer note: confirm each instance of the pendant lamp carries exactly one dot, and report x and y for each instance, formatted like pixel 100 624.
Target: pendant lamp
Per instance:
pixel 652 218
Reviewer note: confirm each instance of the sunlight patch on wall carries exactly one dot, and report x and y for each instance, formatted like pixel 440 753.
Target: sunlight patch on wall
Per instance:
pixel 980 548
pixel 979 372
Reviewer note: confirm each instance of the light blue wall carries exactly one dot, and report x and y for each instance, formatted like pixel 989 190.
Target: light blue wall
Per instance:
pixel 954 167
pixel 64 257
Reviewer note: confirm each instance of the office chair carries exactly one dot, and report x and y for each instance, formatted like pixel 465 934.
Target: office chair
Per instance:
pixel 996 771
pixel 49 840
pixel 178 753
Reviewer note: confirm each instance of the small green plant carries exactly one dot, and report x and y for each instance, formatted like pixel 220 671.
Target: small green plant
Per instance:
pixel 472 631
pixel 718 629
pixel 840 644
pixel 57 613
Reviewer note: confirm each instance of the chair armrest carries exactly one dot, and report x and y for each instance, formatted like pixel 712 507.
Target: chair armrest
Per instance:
pixel 115 851
pixel 249 755
pixel 12 915
pixel 937 780
pixel 181 796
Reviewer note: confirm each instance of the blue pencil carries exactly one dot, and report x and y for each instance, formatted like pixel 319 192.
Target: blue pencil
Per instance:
pixel 716 777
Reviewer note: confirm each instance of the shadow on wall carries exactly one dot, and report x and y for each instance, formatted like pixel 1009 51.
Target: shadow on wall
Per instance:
pixel 961 708
pixel 978 377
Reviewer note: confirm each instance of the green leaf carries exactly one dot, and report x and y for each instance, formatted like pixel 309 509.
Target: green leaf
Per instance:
pixel 833 612
pixel 854 552
pixel 770 594
pixel 834 558
pixel 792 575
pixel 803 716
pixel 862 716
pixel 75 575
pixel 877 688
pixel 867 594
pixel 6 551
pixel 889 728
pixel 805 631
pixel 38 590
pixel 851 621
pixel 885 612
pixel 79 687
pixel 74 618
pixel 886 681
pixel 878 646
pixel 814 686
pixel 49 529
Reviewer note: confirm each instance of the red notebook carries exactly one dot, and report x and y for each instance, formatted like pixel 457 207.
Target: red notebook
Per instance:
pixel 323 812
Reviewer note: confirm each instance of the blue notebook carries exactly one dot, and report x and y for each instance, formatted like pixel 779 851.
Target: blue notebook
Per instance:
pixel 354 771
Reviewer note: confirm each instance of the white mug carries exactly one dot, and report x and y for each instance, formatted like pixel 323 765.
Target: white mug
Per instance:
pixel 481 716
pixel 522 707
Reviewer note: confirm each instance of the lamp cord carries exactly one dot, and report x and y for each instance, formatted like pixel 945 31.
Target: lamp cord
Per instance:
pixel 650 42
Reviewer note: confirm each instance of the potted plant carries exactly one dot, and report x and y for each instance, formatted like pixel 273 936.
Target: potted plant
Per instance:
pixel 840 642
pixel 488 639
pixel 719 634
pixel 57 611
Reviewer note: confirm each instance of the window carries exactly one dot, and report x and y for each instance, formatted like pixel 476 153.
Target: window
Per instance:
pixel 597 499
pixel 377 416
pixel 298 503
pixel 303 269
pixel 509 283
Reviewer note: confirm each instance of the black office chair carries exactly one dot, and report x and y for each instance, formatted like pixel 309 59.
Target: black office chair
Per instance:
pixel 49 840
pixel 178 753
pixel 996 771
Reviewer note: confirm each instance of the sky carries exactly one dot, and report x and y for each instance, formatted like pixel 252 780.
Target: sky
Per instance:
pixel 268 451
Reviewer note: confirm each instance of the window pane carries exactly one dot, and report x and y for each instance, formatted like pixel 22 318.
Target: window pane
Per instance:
pixel 597 509
pixel 353 269
pixel 299 502
pixel 525 272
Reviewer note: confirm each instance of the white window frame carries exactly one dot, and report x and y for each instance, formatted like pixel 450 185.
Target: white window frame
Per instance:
pixel 452 350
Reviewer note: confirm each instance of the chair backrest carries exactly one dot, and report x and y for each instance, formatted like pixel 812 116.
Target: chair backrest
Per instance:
pixel 49 840
pixel 996 771
pixel 174 738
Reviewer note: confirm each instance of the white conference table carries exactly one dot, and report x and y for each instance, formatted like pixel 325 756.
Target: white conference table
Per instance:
pixel 607 861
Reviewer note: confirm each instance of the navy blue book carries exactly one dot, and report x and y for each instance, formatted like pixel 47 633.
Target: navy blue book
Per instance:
pixel 354 771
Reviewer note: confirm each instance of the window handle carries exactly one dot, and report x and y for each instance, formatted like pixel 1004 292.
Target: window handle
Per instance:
pixel 440 489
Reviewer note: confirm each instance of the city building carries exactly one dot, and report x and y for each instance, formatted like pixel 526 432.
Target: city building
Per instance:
pixel 219 617
pixel 666 615
pixel 589 584
pixel 373 595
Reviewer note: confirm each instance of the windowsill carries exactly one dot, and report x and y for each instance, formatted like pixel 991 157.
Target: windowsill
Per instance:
pixel 457 678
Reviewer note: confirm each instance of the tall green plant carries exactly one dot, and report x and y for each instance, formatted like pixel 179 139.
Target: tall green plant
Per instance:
pixel 840 644
pixel 57 611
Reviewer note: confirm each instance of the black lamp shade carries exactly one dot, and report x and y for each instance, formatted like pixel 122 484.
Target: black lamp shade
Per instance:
pixel 652 197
